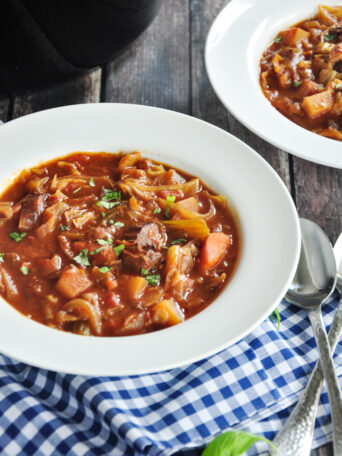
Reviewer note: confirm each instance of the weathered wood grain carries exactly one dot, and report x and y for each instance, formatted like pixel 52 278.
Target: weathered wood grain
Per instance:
pixel 319 195
pixel 84 89
pixel 4 106
pixel 206 105
pixel 155 71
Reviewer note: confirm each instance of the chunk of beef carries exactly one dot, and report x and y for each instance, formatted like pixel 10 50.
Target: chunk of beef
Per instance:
pixel 151 235
pixel 106 257
pixel 49 267
pixel 134 262
pixel 32 207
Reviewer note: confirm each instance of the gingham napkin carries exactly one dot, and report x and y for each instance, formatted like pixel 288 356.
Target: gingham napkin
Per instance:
pixel 251 385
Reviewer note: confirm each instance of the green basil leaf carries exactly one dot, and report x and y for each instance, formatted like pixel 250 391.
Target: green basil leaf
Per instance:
pixel 94 252
pixel 157 210
pixel 233 443
pixel 110 195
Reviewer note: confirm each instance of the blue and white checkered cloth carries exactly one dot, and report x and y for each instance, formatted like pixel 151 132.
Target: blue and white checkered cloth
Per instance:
pixel 252 386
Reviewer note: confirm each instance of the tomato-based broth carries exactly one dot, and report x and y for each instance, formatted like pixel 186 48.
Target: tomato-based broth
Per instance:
pixel 301 72
pixel 110 244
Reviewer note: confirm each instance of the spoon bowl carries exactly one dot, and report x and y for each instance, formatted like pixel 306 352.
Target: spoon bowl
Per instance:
pixel 315 277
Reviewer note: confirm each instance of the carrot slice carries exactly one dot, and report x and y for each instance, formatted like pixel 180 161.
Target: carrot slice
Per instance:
pixel 215 246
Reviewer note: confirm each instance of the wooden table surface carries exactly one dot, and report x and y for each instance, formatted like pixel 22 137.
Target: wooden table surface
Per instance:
pixel 165 68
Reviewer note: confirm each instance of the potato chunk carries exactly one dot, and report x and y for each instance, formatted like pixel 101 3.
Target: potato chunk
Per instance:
pixel 318 104
pixel 167 311
pixel 295 36
pixel 135 286
pixel 73 281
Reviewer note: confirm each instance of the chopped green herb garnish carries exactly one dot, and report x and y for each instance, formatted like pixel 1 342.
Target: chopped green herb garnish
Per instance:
pixel 157 210
pixel 94 252
pixel 111 222
pixel 178 241
pixel 24 270
pixel 278 39
pixel 170 198
pixel 110 195
pixel 91 182
pixel 77 190
pixel 107 241
pixel 167 212
pixel 276 315
pixel 82 258
pixel 103 214
pixel 153 279
pixel 2 257
pixel 296 84
pixel 105 269
pixel 330 36
pixel 16 236
pixel 338 86
pixel 107 204
pixel 118 224
pixel 165 247
pixel 63 228
pixel 144 272
pixel 118 249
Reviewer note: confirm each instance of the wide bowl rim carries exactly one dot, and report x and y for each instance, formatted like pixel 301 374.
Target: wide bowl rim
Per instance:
pixel 23 125
pixel 284 134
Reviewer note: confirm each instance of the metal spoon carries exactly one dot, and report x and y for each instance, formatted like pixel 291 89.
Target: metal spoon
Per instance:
pixel 295 438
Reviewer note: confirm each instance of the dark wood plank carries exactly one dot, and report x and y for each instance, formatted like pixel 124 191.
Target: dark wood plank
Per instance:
pixel 83 89
pixel 206 105
pixel 4 106
pixel 155 71
pixel 318 195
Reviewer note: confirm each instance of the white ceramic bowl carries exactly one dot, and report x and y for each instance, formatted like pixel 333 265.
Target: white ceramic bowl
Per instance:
pixel 269 228
pixel 236 41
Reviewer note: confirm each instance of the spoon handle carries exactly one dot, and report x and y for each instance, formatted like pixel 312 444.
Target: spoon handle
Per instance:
pixel 334 391
pixel 295 438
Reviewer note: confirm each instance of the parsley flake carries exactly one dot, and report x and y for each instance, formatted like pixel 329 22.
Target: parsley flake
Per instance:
pixel 276 315
pixel 119 248
pixel 157 210
pixel 77 190
pixel 178 241
pixel 110 195
pixel 24 270
pixel 94 252
pixel 2 258
pixel 91 182
pixel 103 214
pixel 144 272
pixel 153 279
pixel 63 228
pixel 105 269
pixel 107 241
pixel 278 39
pixel 107 204
pixel 296 84
pixel 330 36
pixel 170 198
pixel 82 258
pixel 16 236
pixel 118 224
